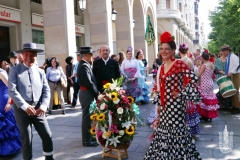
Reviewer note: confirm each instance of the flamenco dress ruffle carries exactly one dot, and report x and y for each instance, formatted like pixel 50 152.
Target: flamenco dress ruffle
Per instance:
pixel 192 120
pixel 9 134
pixel 168 141
pixel 144 98
pixel 208 107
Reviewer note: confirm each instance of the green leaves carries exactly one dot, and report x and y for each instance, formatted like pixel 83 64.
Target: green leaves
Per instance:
pixel 225 23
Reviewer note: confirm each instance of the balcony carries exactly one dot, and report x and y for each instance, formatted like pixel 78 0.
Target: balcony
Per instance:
pixel 169 13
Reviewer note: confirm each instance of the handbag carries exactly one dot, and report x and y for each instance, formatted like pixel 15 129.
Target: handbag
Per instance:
pixel 63 82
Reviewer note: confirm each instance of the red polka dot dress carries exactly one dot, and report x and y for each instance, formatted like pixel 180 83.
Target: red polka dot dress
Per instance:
pixel 209 105
pixel 172 139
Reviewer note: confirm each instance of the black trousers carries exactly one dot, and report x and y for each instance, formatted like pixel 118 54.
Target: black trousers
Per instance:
pixel 76 89
pixel 86 99
pixel 40 123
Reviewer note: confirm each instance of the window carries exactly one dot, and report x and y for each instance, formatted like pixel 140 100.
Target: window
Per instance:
pixel 76 7
pixel 37 1
pixel 168 4
pixel 180 7
pixel 78 42
pixel 37 36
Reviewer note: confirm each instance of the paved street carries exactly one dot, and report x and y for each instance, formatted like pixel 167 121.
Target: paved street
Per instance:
pixel 66 130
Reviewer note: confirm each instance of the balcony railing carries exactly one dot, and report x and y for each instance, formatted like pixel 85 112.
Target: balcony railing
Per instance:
pixel 168 13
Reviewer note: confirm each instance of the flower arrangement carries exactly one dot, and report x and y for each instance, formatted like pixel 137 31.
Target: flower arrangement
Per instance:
pixel 114 116
pixel 166 37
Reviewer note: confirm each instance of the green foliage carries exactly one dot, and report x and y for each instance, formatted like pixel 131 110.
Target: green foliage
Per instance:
pixel 225 24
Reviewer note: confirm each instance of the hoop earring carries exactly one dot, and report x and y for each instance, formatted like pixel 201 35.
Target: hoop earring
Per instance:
pixel 172 58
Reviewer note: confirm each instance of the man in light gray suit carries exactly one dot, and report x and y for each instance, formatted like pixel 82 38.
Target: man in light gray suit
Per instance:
pixel 29 90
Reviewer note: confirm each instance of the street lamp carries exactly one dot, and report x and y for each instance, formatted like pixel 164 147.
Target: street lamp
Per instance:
pixel 114 13
pixel 82 4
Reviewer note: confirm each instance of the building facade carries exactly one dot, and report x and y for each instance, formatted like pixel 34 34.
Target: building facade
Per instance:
pixel 60 27
pixel 180 18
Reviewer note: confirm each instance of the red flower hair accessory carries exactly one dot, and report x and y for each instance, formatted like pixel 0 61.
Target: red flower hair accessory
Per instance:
pixel 166 37
pixel 205 50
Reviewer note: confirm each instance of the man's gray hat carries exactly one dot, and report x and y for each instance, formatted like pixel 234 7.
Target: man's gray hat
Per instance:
pixel 29 47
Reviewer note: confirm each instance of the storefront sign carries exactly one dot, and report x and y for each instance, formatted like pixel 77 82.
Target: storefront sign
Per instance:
pixel 37 20
pixel 80 29
pixel 10 14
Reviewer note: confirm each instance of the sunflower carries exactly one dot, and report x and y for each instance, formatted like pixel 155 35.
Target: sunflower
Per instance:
pixel 107 85
pixel 93 131
pixel 114 96
pixel 101 117
pixel 93 116
pixel 130 99
pixel 130 131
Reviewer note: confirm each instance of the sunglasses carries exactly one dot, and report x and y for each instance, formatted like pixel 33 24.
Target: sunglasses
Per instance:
pixel 225 49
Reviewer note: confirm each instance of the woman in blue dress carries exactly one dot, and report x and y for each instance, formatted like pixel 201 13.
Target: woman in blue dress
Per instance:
pixel 143 98
pixel 9 134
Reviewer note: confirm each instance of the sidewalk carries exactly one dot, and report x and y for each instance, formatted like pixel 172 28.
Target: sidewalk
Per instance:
pixel 66 132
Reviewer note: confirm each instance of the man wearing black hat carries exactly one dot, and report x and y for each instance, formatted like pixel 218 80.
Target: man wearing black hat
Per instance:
pixel 13 59
pixel 105 69
pixel 28 87
pixel 88 91
pixel 231 70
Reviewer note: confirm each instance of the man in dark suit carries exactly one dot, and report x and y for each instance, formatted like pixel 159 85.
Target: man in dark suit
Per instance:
pixel 88 91
pixel 28 87
pixel 105 69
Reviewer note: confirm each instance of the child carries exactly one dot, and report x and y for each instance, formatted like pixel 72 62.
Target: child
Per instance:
pixel 153 114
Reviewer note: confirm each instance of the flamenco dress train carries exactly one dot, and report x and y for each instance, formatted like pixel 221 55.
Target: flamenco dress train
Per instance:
pixel 144 98
pixel 9 134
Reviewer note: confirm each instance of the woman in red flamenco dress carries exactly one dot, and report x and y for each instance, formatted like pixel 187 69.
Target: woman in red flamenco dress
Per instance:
pixel 209 105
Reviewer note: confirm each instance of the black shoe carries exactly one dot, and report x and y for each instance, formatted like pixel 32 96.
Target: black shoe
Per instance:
pixel 72 107
pixel 63 112
pixel 90 144
pixel 235 111
pixel 50 112
pixel 49 158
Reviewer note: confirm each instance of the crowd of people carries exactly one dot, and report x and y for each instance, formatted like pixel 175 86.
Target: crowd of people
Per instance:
pixel 183 91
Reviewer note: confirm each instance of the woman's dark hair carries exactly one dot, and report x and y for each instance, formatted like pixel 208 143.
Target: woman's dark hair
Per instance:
pixel 69 59
pixel 113 56
pixel 137 54
pixel 57 62
pixel 205 56
pixel 121 57
pixel 172 45
pixel 183 48
pixel 183 51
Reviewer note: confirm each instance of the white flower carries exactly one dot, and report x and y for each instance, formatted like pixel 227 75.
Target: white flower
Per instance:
pixel 121 132
pixel 116 101
pixel 120 110
pixel 100 97
pixel 126 124
pixel 113 86
pixel 109 95
pixel 114 141
pixel 102 106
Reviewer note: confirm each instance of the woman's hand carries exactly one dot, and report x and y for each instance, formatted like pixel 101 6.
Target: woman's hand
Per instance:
pixel 8 107
pixel 174 94
pixel 158 110
pixel 222 72
pixel 131 79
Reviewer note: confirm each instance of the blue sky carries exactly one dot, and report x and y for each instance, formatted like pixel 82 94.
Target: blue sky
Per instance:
pixel 204 7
